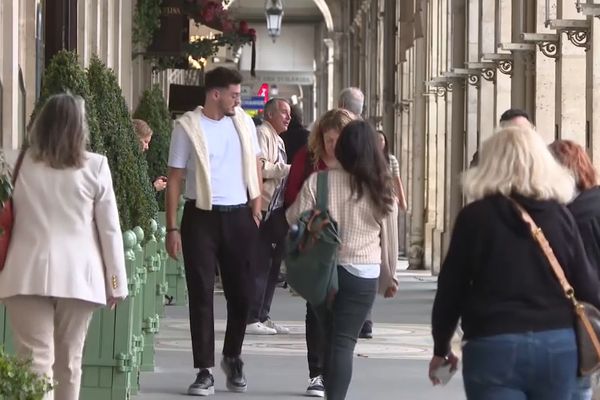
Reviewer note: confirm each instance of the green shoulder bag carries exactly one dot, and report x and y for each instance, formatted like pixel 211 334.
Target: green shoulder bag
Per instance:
pixel 311 250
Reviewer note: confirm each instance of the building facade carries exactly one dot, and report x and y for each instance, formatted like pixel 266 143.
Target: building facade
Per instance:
pixel 436 74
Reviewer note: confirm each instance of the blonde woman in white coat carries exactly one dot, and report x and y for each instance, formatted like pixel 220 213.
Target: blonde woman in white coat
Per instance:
pixel 66 256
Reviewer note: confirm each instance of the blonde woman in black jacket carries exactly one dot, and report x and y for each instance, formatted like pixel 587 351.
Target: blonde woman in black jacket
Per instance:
pixel 517 323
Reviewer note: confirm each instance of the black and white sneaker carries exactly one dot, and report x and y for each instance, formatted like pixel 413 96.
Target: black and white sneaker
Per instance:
pixel 204 385
pixel 315 387
pixel 233 367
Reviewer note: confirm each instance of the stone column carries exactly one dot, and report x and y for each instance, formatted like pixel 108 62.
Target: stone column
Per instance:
pixel 593 91
pixel 545 84
pixel 416 241
pixel 27 55
pixel 371 62
pixel 10 75
pixel 389 71
pixel 444 120
pixel 472 127
pixel 124 50
pixel 570 82
pixel 503 34
pixel 104 22
pixel 487 92
pixel 518 82
pixel 456 140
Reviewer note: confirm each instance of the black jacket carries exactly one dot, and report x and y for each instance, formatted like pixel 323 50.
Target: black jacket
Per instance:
pixel 294 139
pixel 586 211
pixel 497 279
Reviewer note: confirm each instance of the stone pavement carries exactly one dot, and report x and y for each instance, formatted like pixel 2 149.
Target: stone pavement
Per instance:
pixel 393 365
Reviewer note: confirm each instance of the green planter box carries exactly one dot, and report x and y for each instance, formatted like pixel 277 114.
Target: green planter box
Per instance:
pixel 150 318
pixel 109 358
pixel 174 270
pixel 162 285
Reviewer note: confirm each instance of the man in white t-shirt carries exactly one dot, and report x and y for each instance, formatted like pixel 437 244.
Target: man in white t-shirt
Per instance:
pixel 215 149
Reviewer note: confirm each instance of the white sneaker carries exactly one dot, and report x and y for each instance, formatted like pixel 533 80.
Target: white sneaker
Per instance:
pixel 280 329
pixel 315 387
pixel 258 328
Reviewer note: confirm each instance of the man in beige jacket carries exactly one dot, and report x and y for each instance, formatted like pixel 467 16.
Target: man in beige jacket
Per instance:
pixel 275 169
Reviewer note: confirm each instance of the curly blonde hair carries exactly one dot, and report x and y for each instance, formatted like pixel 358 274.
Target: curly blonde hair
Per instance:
pixel 336 119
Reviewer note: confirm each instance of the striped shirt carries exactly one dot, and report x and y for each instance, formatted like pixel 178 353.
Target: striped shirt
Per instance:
pixel 359 224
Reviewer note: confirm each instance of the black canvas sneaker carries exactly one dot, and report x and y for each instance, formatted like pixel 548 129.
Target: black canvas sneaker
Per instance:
pixel 234 370
pixel 204 385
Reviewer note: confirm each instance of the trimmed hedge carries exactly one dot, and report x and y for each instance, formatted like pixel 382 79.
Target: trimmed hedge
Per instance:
pixel 133 189
pixel 65 74
pixel 153 109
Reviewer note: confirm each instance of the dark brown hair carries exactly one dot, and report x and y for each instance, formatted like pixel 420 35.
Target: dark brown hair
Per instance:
pixel 358 152
pixel 59 134
pixel 575 158
pixel 221 78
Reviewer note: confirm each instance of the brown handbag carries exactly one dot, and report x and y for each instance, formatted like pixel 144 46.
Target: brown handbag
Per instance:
pixel 587 317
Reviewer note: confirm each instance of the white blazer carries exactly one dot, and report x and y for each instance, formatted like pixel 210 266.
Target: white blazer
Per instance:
pixel 67 240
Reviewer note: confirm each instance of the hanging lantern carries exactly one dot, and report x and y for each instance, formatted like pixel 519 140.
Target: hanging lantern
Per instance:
pixel 274 14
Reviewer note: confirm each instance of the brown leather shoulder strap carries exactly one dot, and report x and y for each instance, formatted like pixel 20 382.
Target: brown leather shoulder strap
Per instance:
pixel 18 164
pixel 540 238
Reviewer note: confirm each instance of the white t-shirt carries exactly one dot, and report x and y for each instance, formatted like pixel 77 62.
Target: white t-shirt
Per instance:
pixel 225 158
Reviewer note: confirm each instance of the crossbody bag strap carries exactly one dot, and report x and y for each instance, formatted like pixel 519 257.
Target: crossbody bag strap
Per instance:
pixel 18 164
pixel 322 190
pixel 540 238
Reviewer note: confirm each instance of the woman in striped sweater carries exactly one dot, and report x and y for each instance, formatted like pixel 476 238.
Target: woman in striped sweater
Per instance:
pixel 361 200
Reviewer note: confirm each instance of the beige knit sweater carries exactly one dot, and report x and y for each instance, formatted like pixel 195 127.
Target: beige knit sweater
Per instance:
pixel 367 238
pixel 190 123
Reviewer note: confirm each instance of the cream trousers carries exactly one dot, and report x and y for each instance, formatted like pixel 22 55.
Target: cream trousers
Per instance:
pixel 52 332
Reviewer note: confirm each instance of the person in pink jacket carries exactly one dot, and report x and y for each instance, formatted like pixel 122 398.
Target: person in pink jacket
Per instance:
pixel 66 255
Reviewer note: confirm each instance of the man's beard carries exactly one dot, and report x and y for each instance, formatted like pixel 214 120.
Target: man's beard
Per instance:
pixel 228 113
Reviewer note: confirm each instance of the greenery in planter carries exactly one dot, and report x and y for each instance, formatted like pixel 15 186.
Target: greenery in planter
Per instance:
pixel 146 21
pixel 133 189
pixel 18 382
pixel 153 109
pixel 64 73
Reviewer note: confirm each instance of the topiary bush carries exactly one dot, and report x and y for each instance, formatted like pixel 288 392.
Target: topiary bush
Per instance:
pixel 17 381
pixel 133 189
pixel 153 109
pixel 65 74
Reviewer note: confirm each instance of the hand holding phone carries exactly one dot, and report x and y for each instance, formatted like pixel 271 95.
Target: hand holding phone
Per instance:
pixel 441 369
pixel 444 373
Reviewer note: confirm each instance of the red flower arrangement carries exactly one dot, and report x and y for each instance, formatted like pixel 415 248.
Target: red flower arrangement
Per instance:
pixel 212 14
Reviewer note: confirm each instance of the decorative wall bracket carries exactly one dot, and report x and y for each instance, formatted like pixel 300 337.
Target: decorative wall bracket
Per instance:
pixel 546 42
pixel 441 86
pixel 503 61
pixel 472 75
pixel 487 70
pixel 589 9
pixel 577 30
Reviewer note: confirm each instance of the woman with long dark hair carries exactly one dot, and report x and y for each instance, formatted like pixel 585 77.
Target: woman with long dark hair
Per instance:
pixel 317 155
pixel 361 200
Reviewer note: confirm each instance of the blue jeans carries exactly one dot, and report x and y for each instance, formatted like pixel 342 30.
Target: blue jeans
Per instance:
pixel 583 389
pixel 527 366
pixel 341 325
